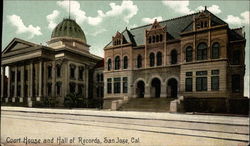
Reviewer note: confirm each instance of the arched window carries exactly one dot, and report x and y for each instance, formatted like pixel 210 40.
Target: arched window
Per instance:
pixel 152 59
pixel 215 50
pixel 117 62
pixel 149 39
pixel 139 61
pixel 161 38
pixel 189 54
pixel 202 51
pixel 159 58
pixel 109 64
pixel 125 62
pixel 173 57
pixel 153 39
pixel 157 38
pixel 58 70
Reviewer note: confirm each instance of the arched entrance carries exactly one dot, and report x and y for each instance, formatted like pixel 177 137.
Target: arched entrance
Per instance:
pixel 140 89
pixel 172 88
pixel 155 88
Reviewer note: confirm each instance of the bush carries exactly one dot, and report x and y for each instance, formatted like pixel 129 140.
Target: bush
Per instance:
pixel 74 100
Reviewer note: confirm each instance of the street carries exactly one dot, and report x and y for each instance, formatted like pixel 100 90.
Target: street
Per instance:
pixel 21 126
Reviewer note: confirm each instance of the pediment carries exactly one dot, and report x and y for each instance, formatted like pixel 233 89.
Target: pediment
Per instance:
pixel 156 25
pixel 18 44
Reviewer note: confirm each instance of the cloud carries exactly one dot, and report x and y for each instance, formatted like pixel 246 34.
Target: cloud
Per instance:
pixel 51 19
pixel 178 6
pixel 17 22
pixel 215 9
pixel 151 20
pixel 132 26
pixel 126 10
pixel 242 20
pixel 74 9
pixel 98 32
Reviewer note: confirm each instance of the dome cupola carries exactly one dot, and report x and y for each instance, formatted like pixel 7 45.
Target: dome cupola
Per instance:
pixel 68 28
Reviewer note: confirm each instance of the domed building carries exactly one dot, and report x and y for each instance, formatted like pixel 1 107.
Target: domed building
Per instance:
pixel 51 72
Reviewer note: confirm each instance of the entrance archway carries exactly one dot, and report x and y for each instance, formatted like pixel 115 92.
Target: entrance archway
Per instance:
pixel 156 88
pixel 140 89
pixel 172 88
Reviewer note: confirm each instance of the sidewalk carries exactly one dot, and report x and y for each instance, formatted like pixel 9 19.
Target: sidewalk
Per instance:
pixel 228 120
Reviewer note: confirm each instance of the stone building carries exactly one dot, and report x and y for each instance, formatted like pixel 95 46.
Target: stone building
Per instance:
pixel 196 55
pixel 38 71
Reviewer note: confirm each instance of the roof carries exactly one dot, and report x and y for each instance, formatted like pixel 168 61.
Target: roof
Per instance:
pixel 173 26
pixel 68 28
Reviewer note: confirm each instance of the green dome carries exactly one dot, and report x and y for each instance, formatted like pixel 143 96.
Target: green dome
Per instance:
pixel 68 28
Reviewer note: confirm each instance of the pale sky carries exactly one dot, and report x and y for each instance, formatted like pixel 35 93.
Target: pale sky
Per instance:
pixel 34 20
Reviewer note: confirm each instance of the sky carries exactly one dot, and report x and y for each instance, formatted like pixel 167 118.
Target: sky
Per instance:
pixel 34 20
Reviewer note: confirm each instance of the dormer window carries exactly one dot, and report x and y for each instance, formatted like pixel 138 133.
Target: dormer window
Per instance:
pixel 155 38
pixel 202 20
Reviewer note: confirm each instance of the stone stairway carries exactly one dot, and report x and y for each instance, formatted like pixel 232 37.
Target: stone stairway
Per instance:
pixel 147 104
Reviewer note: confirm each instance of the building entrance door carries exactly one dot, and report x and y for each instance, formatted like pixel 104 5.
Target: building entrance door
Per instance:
pixel 156 88
pixel 140 90
pixel 172 88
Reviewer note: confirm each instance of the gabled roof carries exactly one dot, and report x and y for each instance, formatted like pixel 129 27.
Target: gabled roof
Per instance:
pixel 173 26
pixel 18 44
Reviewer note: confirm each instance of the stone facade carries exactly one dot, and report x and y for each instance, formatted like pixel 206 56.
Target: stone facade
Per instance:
pixel 197 55
pixel 37 72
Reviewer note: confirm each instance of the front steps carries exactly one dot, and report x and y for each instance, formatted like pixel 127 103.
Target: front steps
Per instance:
pixel 147 104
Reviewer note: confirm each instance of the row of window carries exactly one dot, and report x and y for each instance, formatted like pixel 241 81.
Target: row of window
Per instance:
pixel 202 49
pixel 118 62
pixel 200 55
pixel 117 85
pixel 201 81
pixel 99 77
pixel 155 38
pixel 80 72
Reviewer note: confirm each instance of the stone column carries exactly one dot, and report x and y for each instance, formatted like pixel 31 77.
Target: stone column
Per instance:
pixel 87 81
pixel 30 84
pixel 40 83
pixel 2 82
pixel 15 87
pixel 44 79
pixel 163 91
pixel 9 85
pixel 22 84
pixel 77 78
pixel 53 79
pixel 147 91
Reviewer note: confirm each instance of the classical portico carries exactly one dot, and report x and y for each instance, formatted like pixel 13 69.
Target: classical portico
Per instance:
pixel 38 72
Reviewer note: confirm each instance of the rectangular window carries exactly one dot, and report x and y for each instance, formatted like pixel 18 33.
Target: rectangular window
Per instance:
pixel 200 73
pixel 80 89
pixel 215 72
pixel 125 84
pixel 117 85
pixel 188 85
pixel 109 85
pixel 201 83
pixel 80 73
pixel 72 87
pixel 236 83
pixel 58 88
pixel 215 82
pixel 49 72
pixel 189 73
